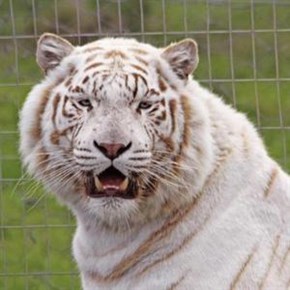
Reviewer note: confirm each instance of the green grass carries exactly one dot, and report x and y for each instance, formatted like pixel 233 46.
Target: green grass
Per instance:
pixel 35 243
pixel 36 232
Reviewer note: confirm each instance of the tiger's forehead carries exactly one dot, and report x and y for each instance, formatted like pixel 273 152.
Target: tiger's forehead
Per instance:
pixel 122 68
pixel 115 55
pixel 108 87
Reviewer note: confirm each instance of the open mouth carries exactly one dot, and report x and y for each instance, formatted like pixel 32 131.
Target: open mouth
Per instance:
pixel 110 183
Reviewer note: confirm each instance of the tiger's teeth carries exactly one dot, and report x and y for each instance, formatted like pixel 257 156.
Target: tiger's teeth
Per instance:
pixel 124 184
pixel 98 184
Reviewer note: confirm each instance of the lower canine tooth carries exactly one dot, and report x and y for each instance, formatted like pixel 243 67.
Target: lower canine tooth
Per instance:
pixel 124 184
pixel 98 184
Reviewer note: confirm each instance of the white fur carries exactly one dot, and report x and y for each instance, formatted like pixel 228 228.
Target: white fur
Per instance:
pixel 234 218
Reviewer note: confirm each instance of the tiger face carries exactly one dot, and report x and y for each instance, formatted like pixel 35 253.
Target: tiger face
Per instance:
pixel 108 128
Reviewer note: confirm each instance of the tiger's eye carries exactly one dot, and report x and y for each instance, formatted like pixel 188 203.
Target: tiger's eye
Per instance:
pixel 145 105
pixel 85 103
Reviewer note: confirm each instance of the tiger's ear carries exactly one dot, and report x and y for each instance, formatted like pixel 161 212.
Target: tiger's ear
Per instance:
pixel 51 49
pixel 182 57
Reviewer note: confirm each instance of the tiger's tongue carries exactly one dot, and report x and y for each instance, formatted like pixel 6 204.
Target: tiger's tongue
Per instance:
pixel 111 182
pixel 111 179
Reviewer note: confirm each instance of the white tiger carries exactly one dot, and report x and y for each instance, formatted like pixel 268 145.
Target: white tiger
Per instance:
pixel 171 188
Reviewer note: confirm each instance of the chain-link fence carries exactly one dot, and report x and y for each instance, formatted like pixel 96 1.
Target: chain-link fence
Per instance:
pixel 244 56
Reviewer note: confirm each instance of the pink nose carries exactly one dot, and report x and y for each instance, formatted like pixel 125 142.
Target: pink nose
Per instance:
pixel 112 150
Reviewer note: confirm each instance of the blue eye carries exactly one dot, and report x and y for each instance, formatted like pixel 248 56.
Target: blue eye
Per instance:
pixel 85 103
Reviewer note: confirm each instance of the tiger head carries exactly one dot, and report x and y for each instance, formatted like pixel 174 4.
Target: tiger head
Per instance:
pixel 112 129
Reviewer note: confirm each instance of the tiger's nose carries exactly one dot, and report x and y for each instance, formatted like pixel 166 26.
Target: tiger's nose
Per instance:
pixel 112 150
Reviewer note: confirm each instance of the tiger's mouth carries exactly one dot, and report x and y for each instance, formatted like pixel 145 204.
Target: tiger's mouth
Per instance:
pixel 109 183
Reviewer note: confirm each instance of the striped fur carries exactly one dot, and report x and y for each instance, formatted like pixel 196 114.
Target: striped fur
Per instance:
pixel 210 209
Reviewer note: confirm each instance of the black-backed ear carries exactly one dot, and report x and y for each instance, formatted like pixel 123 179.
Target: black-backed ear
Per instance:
pixel 182 57
pixel 51 49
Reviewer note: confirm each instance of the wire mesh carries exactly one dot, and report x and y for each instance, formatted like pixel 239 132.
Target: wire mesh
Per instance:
pixel 244 57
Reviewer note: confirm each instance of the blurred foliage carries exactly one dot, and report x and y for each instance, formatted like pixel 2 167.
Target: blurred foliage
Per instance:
pixel 244 57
